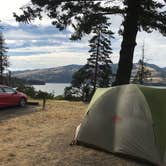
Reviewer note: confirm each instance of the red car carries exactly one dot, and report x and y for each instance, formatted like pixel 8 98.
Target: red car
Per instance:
pixel 11 97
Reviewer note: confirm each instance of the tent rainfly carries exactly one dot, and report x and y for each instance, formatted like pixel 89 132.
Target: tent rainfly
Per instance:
pixel 128 119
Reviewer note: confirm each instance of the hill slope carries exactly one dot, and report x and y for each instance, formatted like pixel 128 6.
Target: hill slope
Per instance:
pixel 61 74
pixel 64 74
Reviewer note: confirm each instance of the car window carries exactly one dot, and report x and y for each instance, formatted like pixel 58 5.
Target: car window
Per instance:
pixel 8 90
pixel 1 90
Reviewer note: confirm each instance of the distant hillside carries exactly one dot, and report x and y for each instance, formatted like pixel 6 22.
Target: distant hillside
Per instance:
pixel 61 74
pixel 64 74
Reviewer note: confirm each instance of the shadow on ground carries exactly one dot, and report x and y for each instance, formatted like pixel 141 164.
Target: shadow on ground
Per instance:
pixel 11 112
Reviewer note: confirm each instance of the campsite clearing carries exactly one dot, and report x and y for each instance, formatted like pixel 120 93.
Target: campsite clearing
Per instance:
pixel 42 139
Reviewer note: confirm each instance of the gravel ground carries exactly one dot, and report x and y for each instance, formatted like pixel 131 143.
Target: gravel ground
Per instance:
pixel 6 113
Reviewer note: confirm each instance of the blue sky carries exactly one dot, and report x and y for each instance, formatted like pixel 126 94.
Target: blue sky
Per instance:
pixel 41 45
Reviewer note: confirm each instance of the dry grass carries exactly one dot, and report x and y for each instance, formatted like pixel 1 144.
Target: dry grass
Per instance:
pixel 42 139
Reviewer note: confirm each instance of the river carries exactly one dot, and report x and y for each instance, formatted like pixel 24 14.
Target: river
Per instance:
pixel 55 88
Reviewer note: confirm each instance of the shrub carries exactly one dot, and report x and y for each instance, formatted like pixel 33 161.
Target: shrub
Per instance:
pixel 31 92
pixel 59 97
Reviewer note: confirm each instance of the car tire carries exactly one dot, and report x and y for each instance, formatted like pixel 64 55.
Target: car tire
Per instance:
pixel 22 102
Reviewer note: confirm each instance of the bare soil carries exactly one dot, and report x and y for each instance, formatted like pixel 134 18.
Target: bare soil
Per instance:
pixel 11 112
pixel 41 138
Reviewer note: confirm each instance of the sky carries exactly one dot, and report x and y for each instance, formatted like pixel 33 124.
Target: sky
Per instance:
pixel 41 45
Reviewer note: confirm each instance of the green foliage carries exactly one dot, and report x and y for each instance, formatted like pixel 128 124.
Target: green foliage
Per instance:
pixel 99 63
pixel 72 94
pixel 85 15
pixel 97 72
pixel 143 74
pixel 4 62
pixel 40 95
pixel 59 97
pixel 31 92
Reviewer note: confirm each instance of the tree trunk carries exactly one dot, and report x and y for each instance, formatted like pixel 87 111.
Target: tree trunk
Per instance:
pixel 142 67
pixel 128 43
pixel 96 63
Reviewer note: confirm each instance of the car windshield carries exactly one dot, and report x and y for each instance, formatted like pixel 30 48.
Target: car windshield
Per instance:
pixel 1 90
pixel 8 90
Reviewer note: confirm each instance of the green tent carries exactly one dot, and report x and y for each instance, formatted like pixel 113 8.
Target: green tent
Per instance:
pixel 128 119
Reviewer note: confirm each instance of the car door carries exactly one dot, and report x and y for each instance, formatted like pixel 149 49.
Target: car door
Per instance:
pixel 2 98
pixel 11 96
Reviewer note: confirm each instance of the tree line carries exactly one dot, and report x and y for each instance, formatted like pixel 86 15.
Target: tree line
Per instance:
pixel 4 62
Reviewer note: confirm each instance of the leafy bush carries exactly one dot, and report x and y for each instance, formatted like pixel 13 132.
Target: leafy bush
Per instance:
pixel 59 97
pixel 40 95
pixel 72 94
pixel 31 92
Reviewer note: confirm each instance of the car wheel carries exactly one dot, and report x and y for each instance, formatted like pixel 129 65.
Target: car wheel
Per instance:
pixel 22 102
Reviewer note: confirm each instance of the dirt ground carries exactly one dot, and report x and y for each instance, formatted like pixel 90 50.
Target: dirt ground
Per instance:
pixel 11 112
pixel 41 138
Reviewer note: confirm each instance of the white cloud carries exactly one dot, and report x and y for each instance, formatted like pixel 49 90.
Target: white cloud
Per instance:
pixel 7 8
pixel 10 41
pixel 22 34
pixel 49 60
pixel 18 34
pixel 68 52
pixel 46 60
pixel 65 46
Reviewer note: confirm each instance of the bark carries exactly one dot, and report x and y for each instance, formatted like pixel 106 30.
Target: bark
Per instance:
pixel 96 64
pixel 142 67
pixel 128 43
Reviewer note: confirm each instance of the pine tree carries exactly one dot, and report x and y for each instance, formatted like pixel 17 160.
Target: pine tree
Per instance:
pixel 143 72
pixel 81 81
pixel 97 72
pixel 4 63
pixel 99 62
pixel 80 86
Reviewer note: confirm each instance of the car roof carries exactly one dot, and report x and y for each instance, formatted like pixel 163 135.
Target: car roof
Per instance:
pixel 1 86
